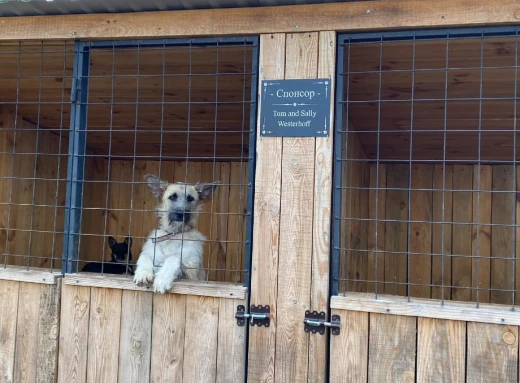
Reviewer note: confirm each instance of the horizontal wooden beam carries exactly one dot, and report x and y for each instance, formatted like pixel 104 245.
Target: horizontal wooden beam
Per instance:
pixel 33 275
pixel 208 289
pixel 349 16
pixel 428 308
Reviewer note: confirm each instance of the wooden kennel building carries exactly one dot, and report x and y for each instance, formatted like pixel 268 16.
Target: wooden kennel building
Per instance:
pixel 386 250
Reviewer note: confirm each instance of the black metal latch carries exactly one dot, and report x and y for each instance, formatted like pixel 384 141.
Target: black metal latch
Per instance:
pixel 259 315
pixel 315 322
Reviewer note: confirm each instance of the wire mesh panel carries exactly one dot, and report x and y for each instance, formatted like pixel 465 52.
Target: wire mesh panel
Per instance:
pixel 426 201
pixel 178 111
pixel 35 83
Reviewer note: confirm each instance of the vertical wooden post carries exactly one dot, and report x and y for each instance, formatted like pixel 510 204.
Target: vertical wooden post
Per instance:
pixel 322 209
pixel 294 271
pixel 292 219
pixel 266 230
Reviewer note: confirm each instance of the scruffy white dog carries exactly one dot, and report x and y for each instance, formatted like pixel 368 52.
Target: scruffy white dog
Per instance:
pixel 175 249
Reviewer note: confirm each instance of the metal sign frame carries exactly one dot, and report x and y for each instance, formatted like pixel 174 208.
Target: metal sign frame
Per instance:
pixel 295 108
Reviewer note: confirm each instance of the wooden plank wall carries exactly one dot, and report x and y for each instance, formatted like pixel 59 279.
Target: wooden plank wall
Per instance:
pixel 120 215
pixel 376 347
pixel 28 180
pixel 354 269
pixel 110 335
pixel 29 323
pixel 364 263
pixel 292 224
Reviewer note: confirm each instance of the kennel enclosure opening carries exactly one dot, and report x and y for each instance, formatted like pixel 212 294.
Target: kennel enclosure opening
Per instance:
pixel 83 123
pixel 35 83
pixel 426 153
pixel 183 110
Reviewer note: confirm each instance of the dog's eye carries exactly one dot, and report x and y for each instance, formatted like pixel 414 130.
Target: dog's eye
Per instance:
pixel 173 197
pixel 190 198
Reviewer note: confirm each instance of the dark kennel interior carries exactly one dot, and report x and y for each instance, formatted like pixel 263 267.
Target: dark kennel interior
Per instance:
pixel 427 175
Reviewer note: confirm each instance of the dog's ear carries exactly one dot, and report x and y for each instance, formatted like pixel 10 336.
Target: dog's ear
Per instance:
pixel 205 190
pixel 128 241
pixel 111 242
pixel 156 186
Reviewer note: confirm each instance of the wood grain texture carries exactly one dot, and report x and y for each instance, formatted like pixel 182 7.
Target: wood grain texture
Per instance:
pixel 217 198
pixel 207 172
pixel 321 215
pixel 231 352
pixel 396 237
pixel 236 222
pixel 420 232
pixel 94 217
pixel 8 313
pixel 441 351
pixel 343 16
pixel 377 200
pixel 139 195
pixel 457 266
pixel 350 348
pixel 481 248
pixel 26 354
pixel 135 340
pixel 39 214
pixel 461 234
pixel 21 191
pixel 354 261
pixel 492 353
pixel 124 197
pixel 21 274
pixel 221 223
pixel 428 308
pixel 266 226
pixel 441 233
pixel 40 197
pixel 503 214
pixel 113 216
pixel 20 212
pixel 74 328
pixel 200 339
pixel 392 348
pixel 103 335
pixel 428 146
pixel 48 333
pixel 210 289
pixel 296 217
pixel 169 321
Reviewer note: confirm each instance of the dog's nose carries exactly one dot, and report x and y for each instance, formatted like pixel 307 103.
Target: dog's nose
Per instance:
pixel 179 216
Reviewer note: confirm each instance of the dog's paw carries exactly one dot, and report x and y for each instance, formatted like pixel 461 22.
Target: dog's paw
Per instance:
pixel 143 276
pixel 162 284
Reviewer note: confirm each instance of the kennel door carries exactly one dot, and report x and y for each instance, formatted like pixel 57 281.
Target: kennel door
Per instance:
pixel 425 257
pixel 184 111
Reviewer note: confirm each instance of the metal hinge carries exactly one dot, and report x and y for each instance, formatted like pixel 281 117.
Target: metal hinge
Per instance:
pixel 315 323
pixel 259 315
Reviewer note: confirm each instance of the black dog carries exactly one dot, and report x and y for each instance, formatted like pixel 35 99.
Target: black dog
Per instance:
pixel 117 263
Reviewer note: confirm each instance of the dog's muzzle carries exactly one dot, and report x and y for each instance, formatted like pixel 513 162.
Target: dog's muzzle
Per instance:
pixel 179 216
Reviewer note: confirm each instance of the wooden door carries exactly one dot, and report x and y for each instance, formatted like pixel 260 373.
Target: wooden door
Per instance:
pixel 392 340
pixel 29 321
pixel 114 331
pixel 291 234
